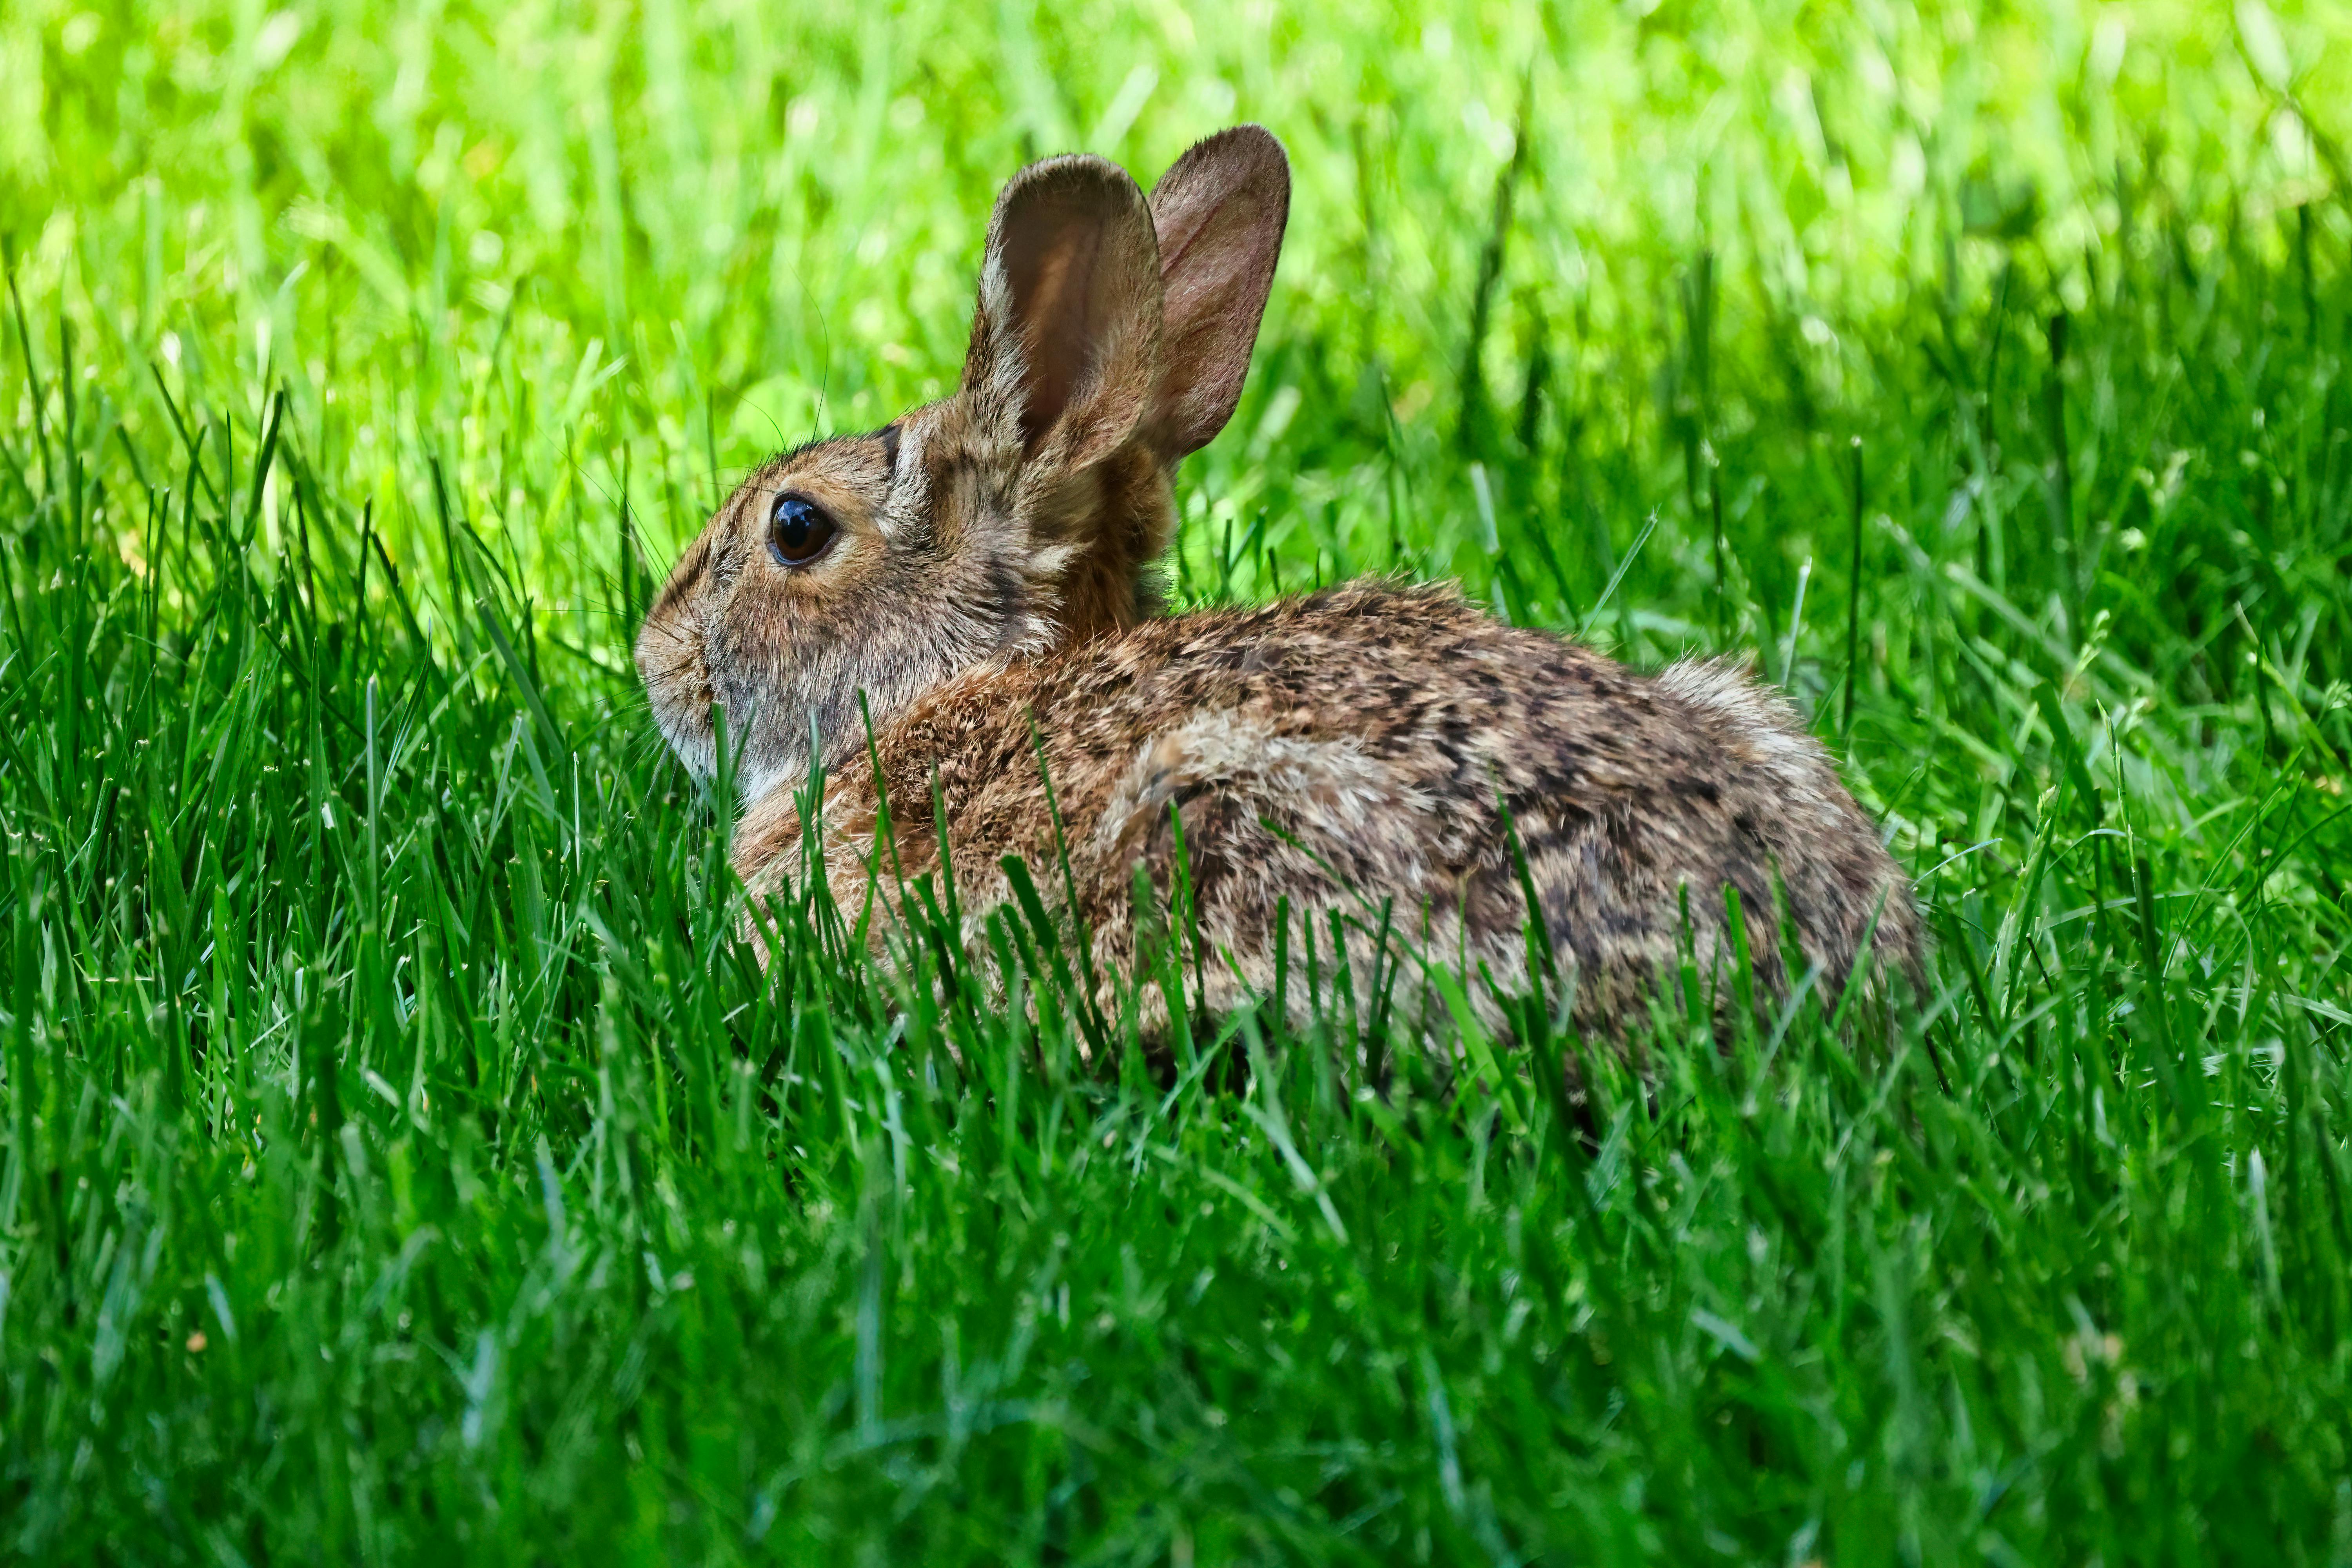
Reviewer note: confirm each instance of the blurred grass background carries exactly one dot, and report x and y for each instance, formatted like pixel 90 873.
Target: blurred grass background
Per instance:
pixel 559 245
pixel 404 1161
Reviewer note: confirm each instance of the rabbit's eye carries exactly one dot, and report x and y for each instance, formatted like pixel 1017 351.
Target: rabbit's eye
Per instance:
pixel 799 531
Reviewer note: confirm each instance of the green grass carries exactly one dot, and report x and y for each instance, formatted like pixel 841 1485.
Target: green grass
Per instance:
pixel 402 1159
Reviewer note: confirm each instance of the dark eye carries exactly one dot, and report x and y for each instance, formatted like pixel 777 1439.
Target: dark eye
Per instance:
pixel 799 531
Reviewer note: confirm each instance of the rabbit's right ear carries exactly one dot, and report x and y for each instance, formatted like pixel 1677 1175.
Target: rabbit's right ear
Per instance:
pixel 1220 213
pixel 1066 338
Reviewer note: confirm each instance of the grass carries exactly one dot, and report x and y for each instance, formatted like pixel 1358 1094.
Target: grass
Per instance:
pixel 401 1158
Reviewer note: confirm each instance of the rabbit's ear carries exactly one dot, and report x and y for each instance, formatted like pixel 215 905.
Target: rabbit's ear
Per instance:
pixel 1219 214
pixel 1065 341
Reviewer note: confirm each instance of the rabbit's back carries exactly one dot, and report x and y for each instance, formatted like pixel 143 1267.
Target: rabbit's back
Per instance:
pixel 1343 753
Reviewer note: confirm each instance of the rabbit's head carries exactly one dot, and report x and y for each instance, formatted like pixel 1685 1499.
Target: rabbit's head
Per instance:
pixel 1109 340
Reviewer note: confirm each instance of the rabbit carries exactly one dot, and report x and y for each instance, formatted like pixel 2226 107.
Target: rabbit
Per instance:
pixel 970 592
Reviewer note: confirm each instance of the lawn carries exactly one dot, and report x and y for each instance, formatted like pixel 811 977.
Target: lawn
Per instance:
pixel 404 1158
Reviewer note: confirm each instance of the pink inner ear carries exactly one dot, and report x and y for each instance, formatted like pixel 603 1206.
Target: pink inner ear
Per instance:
pixel 1050 269
pixel 1075 327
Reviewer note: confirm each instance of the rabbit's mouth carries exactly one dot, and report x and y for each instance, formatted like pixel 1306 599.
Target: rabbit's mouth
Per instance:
pixel 676 673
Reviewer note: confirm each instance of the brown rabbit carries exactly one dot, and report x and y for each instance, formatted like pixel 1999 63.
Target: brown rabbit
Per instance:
pixel 979 571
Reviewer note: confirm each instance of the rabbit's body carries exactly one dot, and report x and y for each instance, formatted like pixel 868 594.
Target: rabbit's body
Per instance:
pixel 1343 753
pixel 972 580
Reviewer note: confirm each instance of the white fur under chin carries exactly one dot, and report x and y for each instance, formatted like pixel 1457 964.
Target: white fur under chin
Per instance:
pixel 699 753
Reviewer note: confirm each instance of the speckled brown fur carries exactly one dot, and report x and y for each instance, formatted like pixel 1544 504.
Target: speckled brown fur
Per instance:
pixel 1343 752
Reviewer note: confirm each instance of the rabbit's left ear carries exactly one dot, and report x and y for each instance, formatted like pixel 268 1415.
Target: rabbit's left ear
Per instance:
pixel 1220 214
pixel 1065 339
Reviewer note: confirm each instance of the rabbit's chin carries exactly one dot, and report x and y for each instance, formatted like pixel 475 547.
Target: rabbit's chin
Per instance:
pixel 759 769
pixel 685 725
